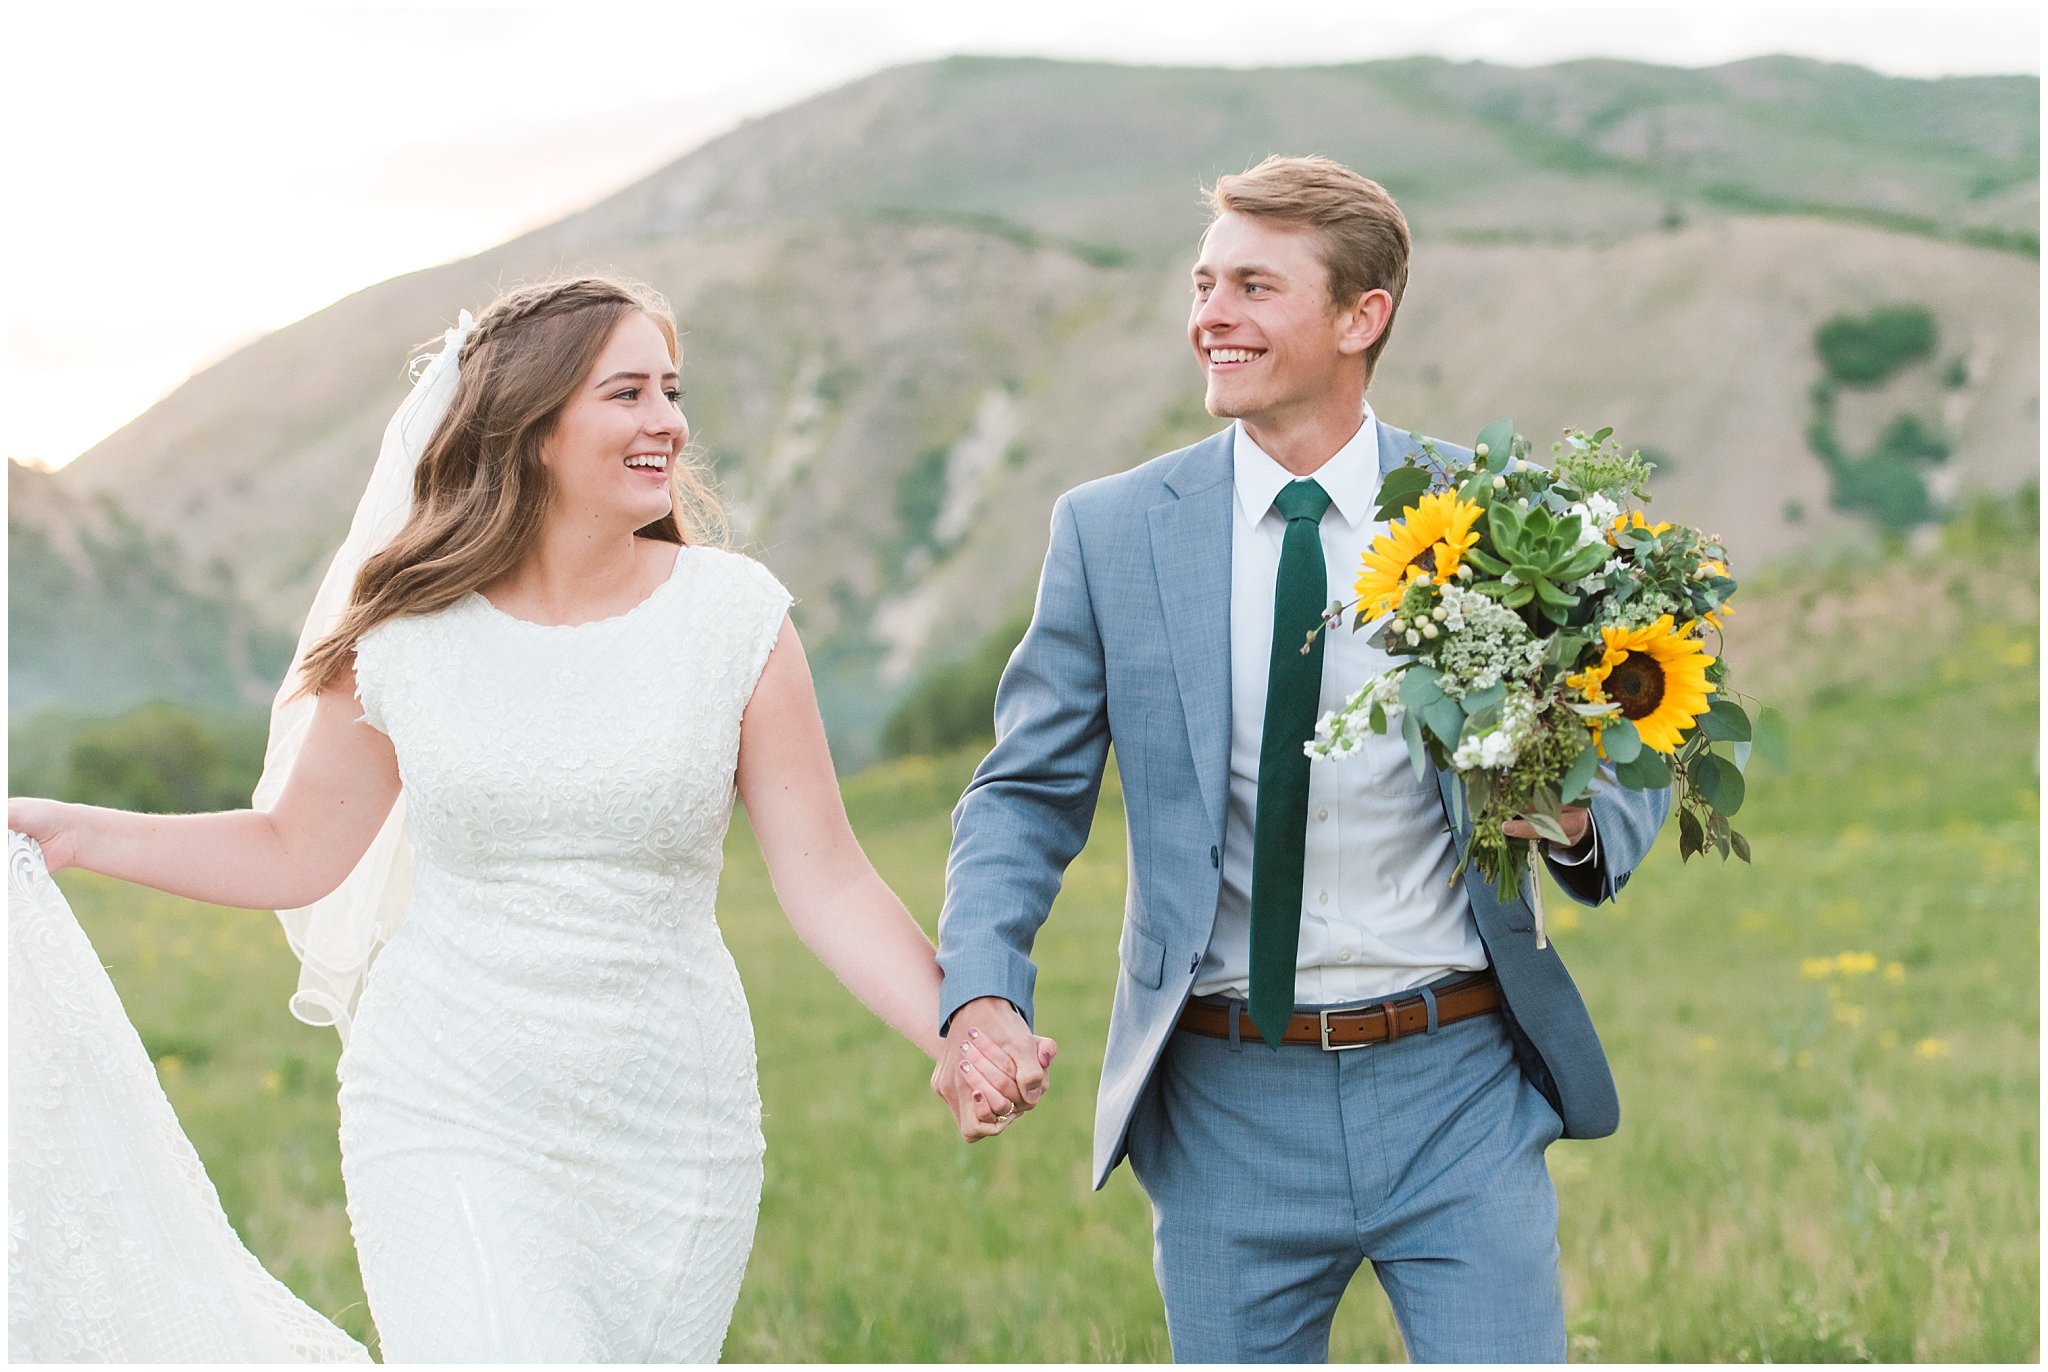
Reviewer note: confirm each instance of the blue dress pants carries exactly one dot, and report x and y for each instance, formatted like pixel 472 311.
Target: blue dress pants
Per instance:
pixel 1274 1174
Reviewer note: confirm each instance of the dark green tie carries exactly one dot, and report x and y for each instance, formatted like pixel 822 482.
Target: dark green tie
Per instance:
pixel 1294 687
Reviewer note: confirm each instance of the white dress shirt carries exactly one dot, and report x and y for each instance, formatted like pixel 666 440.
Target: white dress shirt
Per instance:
pixel 1380 912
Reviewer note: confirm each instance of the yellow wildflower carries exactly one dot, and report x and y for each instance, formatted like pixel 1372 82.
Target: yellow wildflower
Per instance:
pixel 1931 1048
pixel 1856 964
pixel 1715 567
pixel 1816 969
pixel 1704 1043
pixel 1895 973
pixel 1851 1015
pixel 1634 520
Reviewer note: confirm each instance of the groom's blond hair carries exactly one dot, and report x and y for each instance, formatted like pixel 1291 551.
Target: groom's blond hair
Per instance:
pixel 1363 234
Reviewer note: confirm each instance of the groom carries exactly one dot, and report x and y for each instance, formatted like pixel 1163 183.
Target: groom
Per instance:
pixel 1323 1050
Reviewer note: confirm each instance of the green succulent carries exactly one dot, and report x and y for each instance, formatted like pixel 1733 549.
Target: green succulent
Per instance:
pixel 1539 554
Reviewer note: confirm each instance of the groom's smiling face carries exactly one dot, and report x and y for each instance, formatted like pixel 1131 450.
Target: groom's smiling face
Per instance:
pixel 1271 342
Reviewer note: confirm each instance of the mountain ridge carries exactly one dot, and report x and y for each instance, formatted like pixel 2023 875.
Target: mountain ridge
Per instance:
pixel 917 307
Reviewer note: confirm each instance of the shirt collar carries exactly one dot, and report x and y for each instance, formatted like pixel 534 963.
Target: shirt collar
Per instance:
pixel 1350 477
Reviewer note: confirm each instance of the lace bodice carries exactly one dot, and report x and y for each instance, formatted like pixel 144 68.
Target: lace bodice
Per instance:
pixel 546 758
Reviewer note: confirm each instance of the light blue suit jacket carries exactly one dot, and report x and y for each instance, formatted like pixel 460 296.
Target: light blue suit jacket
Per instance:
pixel 1129 645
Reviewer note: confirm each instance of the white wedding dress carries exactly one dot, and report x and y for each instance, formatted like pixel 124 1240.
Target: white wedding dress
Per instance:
pixel 550 1125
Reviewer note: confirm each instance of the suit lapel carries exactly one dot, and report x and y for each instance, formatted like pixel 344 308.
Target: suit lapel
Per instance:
pixel 1191 536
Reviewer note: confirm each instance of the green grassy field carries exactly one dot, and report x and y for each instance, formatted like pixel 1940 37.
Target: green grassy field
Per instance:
pixel 1828 1062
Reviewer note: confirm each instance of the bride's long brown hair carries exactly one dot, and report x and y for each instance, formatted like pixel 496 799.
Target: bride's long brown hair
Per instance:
pixel 480 494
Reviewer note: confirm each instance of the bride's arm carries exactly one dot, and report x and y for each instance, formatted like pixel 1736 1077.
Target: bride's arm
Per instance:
pixel 838 905
pixel 333 804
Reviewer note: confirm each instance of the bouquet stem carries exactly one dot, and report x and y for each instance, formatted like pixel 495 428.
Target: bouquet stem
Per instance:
pixel 1536 893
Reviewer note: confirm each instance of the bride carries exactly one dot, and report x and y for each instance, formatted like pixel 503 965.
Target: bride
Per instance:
pixel 550 1127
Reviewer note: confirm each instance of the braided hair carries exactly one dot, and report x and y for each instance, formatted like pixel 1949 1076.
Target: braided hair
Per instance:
pixel 480 493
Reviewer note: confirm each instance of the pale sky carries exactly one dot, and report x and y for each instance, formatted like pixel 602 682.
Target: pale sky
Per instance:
pixel 181 180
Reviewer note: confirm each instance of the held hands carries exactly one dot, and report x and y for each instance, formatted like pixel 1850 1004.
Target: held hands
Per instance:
pixel 991 1067
pixel 1576 819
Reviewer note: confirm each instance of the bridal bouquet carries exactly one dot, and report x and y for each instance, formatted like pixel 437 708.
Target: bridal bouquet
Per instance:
pixel 1545 626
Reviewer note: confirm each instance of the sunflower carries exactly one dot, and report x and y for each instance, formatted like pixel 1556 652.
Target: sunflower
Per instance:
pixel 1657 674
pixel 1430 538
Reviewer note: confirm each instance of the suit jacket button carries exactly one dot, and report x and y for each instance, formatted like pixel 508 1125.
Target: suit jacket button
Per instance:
pixel 1215 857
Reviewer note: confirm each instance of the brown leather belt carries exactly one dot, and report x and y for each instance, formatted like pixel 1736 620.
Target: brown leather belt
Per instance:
pixel 1382 1023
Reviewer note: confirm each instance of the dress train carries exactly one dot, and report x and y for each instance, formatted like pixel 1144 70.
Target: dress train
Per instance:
pixel 117 1247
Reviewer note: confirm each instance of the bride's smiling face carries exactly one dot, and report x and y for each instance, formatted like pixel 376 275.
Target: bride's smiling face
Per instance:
pixel 612 447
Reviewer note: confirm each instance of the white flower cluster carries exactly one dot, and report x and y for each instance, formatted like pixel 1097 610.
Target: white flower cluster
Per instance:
pixel 1499 747
pixel 1600 510
pixel 1596 516
pixel 1485 642
pixel 1343 731
pixel 1642 611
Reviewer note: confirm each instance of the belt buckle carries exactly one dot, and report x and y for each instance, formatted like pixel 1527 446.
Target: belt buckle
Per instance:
pixel 1323 1018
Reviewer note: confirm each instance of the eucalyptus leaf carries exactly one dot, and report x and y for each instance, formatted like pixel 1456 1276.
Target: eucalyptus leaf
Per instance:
pixel 1601 437
pixel 1548 827
pixel 1475 701
pixel 1621 741
pixel 1647 771
pixel 1498 438
pixel 1445 719
pixel 1579 775
pixel 1739 844
pixel 1741 753
pixel 1402 488
pixel 1564 650
pixel 1691 838
pixel 1726 722
pixel 1719 783
pixel 1420 686
pixel 1411 733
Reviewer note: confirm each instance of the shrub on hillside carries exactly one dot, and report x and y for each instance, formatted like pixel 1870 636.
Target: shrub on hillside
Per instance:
pixel 1868 351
